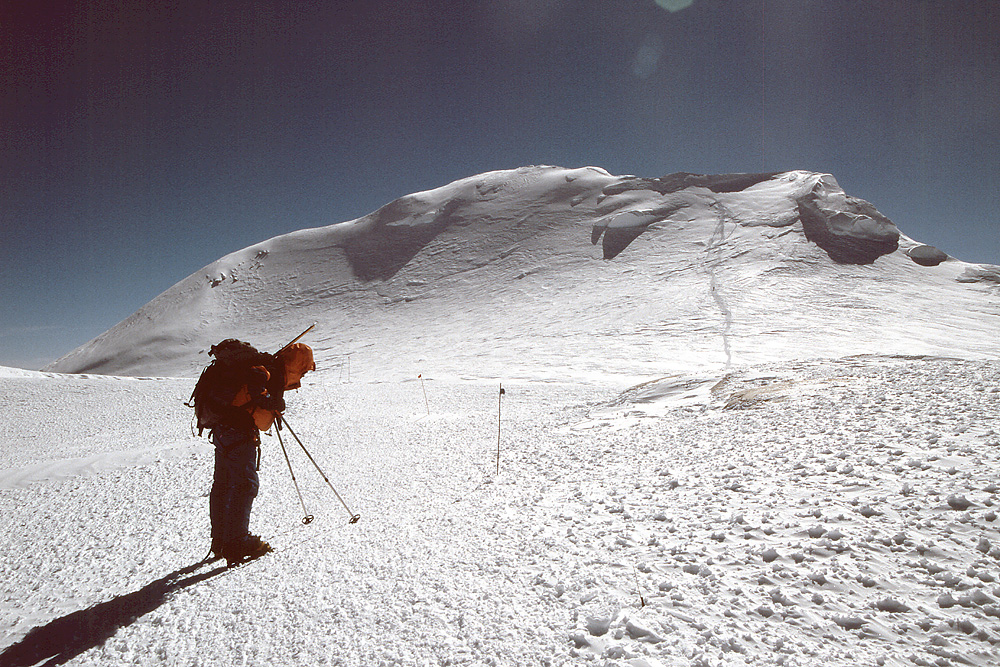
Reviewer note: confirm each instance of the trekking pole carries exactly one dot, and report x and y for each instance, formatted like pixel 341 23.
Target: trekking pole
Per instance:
pixel 308 518
pixel 354 517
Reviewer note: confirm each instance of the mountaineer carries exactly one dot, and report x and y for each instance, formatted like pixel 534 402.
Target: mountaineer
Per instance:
pixel 239 394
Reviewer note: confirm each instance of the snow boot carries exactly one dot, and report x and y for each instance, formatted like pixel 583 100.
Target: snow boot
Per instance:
pixel 245 550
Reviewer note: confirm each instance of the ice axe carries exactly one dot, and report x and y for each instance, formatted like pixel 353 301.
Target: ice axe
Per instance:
pixel 296 339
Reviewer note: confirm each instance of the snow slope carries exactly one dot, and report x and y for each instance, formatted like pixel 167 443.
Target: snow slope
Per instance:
pixel 746 422
pixel 832 512
pixel 522 271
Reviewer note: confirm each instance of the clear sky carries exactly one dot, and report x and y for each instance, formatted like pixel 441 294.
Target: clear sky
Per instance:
pixel 142 140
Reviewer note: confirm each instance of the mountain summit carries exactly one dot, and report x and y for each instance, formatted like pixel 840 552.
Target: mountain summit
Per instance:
pixel 514 273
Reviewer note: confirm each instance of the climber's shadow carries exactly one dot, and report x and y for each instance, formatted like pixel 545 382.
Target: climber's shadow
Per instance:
pixel 63 639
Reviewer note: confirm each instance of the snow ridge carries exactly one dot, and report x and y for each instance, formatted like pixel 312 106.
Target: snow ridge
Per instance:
pixel 504 255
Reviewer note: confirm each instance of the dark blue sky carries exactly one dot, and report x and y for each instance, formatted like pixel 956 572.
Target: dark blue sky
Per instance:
pixel 140 144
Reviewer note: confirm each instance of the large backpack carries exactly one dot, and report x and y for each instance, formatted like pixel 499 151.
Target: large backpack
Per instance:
pixel 238 369
pixel 238 372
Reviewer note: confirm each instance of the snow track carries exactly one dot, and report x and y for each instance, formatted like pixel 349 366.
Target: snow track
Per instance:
pixel 836 513
pixel 712 262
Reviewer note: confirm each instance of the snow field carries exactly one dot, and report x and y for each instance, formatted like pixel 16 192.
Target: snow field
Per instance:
pixel 836 512
pixel 840 527
pixel 412 583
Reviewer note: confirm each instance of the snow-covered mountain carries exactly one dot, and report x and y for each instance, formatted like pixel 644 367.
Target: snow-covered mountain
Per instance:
pixel 571 272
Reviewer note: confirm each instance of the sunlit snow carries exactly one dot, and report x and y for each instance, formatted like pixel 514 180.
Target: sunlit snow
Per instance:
pixel 717 445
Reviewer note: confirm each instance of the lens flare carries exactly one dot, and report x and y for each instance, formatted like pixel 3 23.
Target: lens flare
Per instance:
pixel 647 58
pixel 674 5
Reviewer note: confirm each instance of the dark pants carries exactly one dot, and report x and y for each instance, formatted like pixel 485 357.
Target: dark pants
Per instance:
pixel 235 484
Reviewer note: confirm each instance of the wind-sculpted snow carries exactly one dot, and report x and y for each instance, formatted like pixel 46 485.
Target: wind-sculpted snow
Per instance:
pixel 831 512
pixel 683 180
pixel 498 274
pixel 850 230
pixel 989 275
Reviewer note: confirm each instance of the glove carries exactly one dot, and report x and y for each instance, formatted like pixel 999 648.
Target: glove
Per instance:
pixel 257 381
pixel 272 403
pixel 259 375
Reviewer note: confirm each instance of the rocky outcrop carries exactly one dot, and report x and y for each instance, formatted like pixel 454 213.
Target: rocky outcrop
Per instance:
pixel 926 255
pixel 851 232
